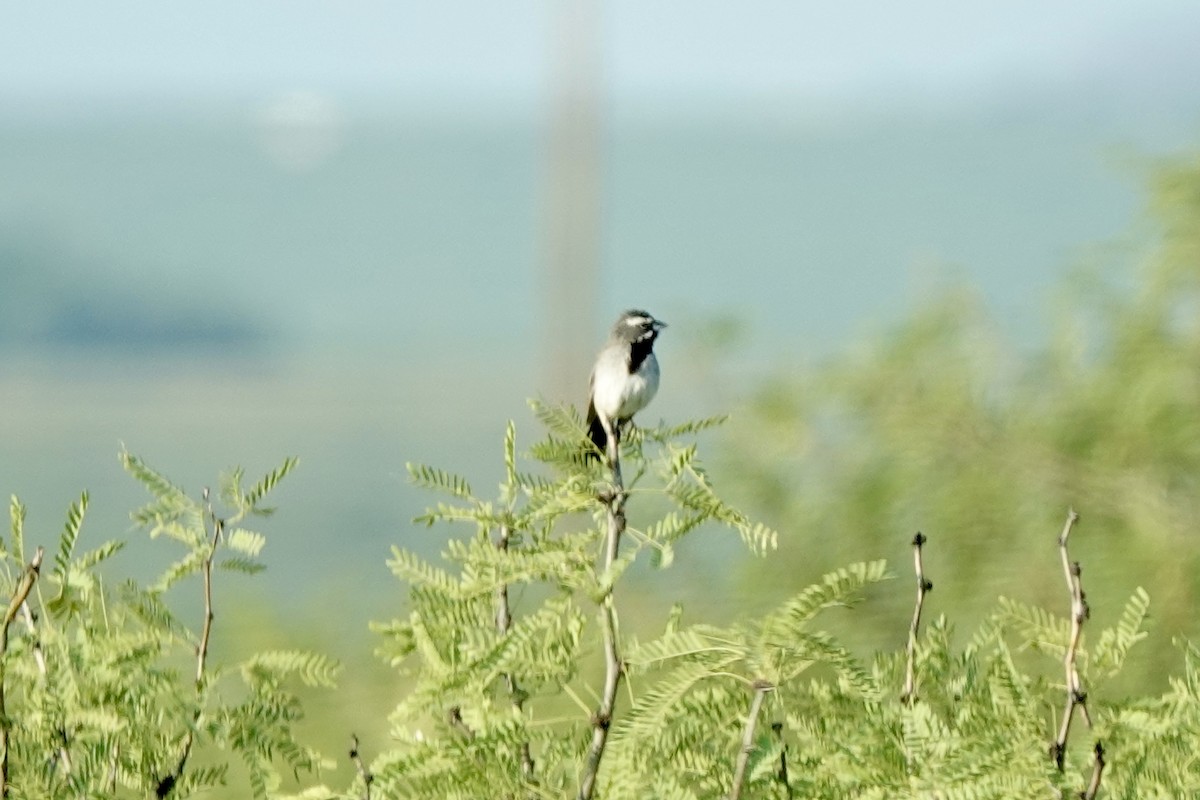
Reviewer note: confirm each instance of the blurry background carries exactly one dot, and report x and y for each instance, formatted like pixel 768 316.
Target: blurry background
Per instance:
pixel 365 233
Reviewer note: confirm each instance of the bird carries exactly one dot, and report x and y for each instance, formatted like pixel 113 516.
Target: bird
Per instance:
pixel 625 377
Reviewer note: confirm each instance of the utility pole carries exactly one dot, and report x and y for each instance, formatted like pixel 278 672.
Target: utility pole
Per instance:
pixel 570 253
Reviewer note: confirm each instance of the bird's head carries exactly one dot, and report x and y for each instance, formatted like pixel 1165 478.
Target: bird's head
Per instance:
pixel 637 326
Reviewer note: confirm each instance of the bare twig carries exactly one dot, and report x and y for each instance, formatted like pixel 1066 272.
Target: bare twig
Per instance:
pixel 1076 696
pixel 761 688
pixel 218 527
pixel 114 763
pixel 503 622
pixel 360 767
pixel 31 625
pixel 28 577
pixel 168 782
pixel 1098 763
pixel 39 657
pixel 455 719
pixel 612 450
pixel 602 719
pixel 924 586
pixel 782 774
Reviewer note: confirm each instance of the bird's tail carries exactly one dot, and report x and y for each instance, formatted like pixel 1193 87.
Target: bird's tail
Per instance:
pixel 596 433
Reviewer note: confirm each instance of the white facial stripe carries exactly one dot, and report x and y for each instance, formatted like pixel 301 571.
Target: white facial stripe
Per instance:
pixel 637 322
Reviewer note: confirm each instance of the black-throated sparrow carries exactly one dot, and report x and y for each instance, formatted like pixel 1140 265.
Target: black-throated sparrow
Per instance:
pixel 625 377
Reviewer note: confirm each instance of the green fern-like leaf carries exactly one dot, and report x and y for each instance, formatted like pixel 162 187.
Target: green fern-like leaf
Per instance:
pixel 245 566
pixel 666 434
pixel 512 480
pixel 16 516
pixel 835 588
pixel 155 483
pixel 561 420
pixel 1114 643
pixel 231 487
pixel 245 542
pixel 412 568
pixel 70 535
pixel 313 669
pixel 98 555
pixel 439 480
pixel 188 565
pixel 265 484
pixel 1039 629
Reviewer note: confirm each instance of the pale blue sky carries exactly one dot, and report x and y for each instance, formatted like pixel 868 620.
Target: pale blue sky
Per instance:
pixel 460 51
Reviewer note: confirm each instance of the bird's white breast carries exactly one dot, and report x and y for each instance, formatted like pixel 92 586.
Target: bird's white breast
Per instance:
pixel 617 394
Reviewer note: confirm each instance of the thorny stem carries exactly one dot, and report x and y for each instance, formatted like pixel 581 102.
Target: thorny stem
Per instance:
pixel 167 783
pixel 602 719
pixel 1097 771
pixel 1076 697
pixel 218 527
pixel 503 622
pixel 761 687
pixel 782 774
pixel 19 596
pixel 363 772
pixel 923 587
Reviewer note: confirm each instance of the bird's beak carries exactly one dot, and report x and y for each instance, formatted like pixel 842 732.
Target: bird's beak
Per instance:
pixel 659 325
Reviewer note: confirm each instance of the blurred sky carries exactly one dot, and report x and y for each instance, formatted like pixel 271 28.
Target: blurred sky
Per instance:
pixel 453 52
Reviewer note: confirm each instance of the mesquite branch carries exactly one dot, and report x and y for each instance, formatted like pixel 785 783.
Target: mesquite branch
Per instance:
pixel 218 527
pixel 503 622
pixel 602 719
pixel 761 688
pixel 39 657
pixel 213 540
pixel 1076 696
pixel 924 586
pixel 19 596
pixel 363 773
pixel 1093 787
pixel 782 774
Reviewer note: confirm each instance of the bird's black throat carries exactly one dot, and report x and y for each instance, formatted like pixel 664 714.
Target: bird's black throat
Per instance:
pixel 638 352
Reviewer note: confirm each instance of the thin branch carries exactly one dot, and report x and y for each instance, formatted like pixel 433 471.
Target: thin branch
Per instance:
pixel 39 657
pixel 455 719
pixel 1098 763
pixel 503 623
pixel 782 774
pixel 218 527
pixel 168 782
pixel 1076 696
pixel 761 688
pixel 31 625
pixel 114 763
pixel 602 719
pixel 28 577
pixel 360 767
pixel 924 586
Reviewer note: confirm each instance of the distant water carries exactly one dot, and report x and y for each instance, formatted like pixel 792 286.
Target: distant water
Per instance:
pixel 165 284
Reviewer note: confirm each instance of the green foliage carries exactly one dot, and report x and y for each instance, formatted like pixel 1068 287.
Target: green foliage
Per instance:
pixel 488 687
pixel 110 692
pixel 489 678
pixel 939 422
pixel 493 678
pixel 106 693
